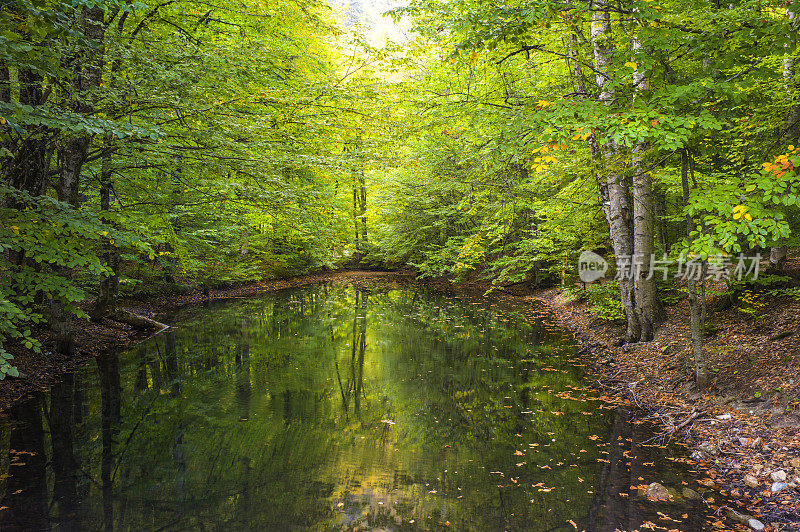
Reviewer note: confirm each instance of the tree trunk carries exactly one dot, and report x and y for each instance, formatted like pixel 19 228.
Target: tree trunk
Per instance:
pixel 87 77
pixel 614 189
pixel 777 259
pixel 355 218
pixel 72 154
pixel 5 83
pixel 109 286
pixel 695 310
pixel 28 169
pixel 647 304
pixel 363 205
pixel 177 189
pixel 135 320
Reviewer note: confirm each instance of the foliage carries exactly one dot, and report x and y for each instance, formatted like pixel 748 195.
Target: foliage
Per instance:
pixel 218 145
pixel 604 300
pixel 218 130
pixel 752 304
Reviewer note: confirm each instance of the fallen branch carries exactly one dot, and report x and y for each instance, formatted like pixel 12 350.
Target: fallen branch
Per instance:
pixel 694 415
pixel 781 335
pixel 136 320
pixel 673 428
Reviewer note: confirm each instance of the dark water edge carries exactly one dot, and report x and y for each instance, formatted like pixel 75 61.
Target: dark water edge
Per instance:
pixel 332 407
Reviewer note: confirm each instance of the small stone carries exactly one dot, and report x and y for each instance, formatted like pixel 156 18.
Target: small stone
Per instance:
pixel 795 462
pixel 708 448
pixel 739 518
pixel 699 456
pixel 656 491
pixel 758 467
pixel 736 516
pixel 755 524
pixel 778 486
pixel 778 476
pixel 690 494
pixel 751 481
pixel 724 416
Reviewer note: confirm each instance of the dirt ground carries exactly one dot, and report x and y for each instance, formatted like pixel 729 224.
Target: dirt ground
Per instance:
pixel 745 428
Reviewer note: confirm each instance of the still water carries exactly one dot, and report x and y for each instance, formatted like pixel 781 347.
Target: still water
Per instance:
pixel 332 407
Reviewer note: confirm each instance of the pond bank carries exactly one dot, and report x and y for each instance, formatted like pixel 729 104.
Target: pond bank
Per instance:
pixel 744 429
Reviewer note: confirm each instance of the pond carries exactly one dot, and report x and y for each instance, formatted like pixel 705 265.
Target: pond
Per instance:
pixel 333 407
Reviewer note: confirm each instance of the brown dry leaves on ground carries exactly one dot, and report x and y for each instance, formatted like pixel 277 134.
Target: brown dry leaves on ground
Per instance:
pixel 747 422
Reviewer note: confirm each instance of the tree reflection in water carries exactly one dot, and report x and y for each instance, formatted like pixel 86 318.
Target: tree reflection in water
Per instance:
pixel 332 407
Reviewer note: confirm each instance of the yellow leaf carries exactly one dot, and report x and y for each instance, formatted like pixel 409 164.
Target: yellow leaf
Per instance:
pixel 104 233
pixel 790 147
pixel 2 120
pixel 151 256
pixel 631 64
pixel 15 229
pixel 748 217
pixel 737 215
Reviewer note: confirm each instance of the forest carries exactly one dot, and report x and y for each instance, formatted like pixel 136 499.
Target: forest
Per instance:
pixel 148 147
pixel 635 163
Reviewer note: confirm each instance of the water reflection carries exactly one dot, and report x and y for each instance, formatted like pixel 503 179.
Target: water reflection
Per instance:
pixel 333 408
pixel 25 500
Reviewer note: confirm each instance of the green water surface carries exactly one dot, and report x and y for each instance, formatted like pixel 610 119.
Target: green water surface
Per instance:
pixel 332 407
